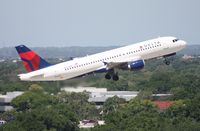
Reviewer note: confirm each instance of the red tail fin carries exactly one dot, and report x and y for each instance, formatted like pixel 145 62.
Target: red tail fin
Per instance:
pixel 30 59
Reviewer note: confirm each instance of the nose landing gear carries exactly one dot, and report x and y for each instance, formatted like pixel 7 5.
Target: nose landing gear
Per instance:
pixel 168 58
pixel 167 62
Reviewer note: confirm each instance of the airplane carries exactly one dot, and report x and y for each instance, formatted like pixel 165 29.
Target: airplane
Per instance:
pixel 131 57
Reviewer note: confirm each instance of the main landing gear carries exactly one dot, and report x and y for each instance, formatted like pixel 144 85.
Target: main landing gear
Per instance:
pixel 113 75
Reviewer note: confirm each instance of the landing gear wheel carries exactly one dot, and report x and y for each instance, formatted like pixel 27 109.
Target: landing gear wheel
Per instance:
pixel 107 76
pixel 115 77
pixel 167 62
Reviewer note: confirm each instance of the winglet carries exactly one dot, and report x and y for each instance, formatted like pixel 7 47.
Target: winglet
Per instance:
pixel 31 60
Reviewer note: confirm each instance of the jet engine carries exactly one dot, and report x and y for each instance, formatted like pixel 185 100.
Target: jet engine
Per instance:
pixel 136 65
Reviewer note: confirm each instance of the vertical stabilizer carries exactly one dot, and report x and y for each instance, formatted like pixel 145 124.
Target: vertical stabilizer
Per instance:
pixel 30 59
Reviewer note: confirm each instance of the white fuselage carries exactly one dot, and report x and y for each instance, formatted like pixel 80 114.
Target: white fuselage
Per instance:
pixel 145 50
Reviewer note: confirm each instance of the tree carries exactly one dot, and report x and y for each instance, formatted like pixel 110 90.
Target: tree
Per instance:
pixel 33 99
pixel 58 117
pixel 14 125
pixel 112 104
pixel 79 104
pixel 36 110
pixel 135 115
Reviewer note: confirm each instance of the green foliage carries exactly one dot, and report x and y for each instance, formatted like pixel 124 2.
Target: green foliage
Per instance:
pixel 135 115
pixel 13 125
pixel 186 108
pixel 36 110
pixel 141 115
pixel 112 104
pixel 160 81
pixel 55 117
pixel 109 127
pixel 78 102
pixel 32 99
pixel 145 94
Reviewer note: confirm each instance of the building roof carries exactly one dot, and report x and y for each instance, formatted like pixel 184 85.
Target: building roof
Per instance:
pixel 6 99
pixel 103 96
pixel 81 89
pixel 9 96
pixel 163 104
pixel 90 123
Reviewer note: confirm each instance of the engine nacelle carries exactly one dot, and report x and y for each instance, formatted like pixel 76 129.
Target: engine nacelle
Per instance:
pixel 136 65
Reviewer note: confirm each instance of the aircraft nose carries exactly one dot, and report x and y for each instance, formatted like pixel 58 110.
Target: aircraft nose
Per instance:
pixel 183 43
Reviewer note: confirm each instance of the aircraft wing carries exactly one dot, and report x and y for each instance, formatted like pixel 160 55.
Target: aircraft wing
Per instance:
pixel 120 64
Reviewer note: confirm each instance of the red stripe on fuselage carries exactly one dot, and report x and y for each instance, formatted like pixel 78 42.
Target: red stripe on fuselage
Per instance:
pixel 33 58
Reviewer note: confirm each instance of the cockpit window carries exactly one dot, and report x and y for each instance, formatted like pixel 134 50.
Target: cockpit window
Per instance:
pixel 175 40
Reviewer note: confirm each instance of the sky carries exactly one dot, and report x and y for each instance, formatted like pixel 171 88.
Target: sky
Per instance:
pixel 96 22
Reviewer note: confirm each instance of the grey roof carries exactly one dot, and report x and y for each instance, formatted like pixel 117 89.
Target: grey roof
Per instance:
pixel 7 99
pixel 9 96
pixel 103 96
